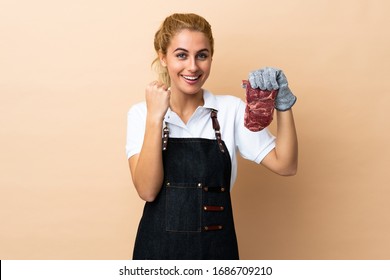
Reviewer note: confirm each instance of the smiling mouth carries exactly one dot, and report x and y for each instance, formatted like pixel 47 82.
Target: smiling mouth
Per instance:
pixel 191 78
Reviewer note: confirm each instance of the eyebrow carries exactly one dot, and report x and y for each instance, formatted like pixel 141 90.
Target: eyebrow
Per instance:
pixel 184 50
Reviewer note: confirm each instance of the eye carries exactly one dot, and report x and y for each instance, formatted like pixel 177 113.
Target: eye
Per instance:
pixel 181 55
pixel 203 56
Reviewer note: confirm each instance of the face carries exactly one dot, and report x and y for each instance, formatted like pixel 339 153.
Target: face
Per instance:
pixel 188 61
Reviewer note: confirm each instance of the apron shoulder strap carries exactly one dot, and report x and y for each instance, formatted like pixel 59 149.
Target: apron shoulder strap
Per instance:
pixel 165 136
pixel 217 130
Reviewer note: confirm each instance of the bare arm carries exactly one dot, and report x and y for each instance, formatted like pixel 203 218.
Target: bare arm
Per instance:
pixel 147 167
pixel 283 159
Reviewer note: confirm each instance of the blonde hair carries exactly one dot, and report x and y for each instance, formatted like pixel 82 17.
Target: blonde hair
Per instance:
pixel 168 29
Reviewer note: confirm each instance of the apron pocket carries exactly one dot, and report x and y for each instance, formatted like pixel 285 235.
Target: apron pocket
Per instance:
pixel 183 207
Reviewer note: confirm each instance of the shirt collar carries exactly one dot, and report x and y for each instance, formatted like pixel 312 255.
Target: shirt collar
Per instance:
pixel 210 102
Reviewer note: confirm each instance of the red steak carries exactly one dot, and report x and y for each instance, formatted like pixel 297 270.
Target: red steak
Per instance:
pixel 260 106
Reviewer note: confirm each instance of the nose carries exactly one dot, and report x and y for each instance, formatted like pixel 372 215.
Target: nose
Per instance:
pixel 192 64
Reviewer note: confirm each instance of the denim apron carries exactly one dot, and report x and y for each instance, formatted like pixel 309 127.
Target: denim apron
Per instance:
pixel 191 218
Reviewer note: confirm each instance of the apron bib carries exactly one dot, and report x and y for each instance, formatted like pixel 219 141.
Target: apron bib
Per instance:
pixel 191 218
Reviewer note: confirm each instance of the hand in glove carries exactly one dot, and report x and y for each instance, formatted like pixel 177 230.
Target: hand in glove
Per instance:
pixel 271 79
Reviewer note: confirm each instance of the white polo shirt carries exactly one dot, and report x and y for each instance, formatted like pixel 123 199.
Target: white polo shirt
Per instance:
pixel 253 146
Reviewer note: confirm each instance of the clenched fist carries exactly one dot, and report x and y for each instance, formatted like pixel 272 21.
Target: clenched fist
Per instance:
pixel 157 97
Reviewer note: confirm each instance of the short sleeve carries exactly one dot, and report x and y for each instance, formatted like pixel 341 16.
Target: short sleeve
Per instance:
pixel 253 146
pixel 136 118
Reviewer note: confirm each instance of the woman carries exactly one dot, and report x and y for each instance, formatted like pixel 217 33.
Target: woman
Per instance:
pixel 182 143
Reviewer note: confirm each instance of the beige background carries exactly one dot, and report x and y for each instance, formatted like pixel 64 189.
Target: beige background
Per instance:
pixel 69 71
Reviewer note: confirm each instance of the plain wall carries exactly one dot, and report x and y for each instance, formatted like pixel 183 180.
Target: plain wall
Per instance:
pixel 70 70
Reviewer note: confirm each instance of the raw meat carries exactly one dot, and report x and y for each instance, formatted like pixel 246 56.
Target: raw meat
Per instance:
pixel 260 106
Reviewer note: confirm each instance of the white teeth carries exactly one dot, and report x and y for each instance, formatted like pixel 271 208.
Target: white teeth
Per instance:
pixel 191 78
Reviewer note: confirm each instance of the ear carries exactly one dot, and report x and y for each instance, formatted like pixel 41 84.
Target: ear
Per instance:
pixel 162 58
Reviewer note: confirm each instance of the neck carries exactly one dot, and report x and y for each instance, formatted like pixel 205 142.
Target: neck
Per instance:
pixel 184 105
